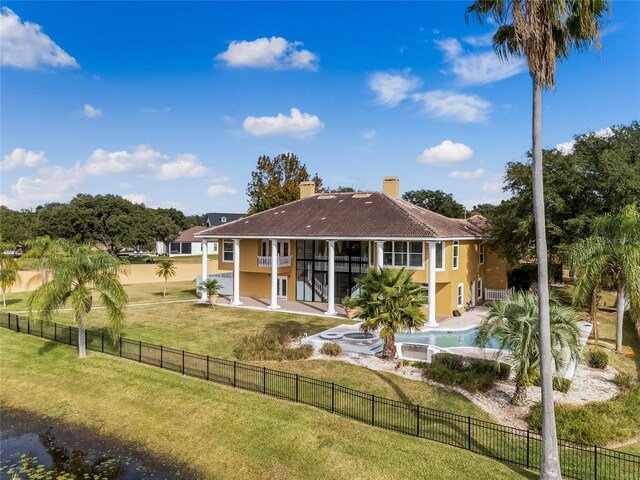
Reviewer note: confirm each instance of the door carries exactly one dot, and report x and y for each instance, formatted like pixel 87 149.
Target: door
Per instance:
pixel 473 293
pixel 282 287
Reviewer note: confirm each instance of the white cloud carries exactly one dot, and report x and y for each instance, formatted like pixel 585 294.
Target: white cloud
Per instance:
pixel 297 123
pixel 125 185
pixel 25 45
pixel 51 184
pixel 457 106
pixel 90 111
pixel 369 134
pixel 229 119
pixel 8 202
pixel 446 153
pixel 21 157
pixel 494 184
pixel 143 158
pixel 478 68
pixel 135 197
pixel 566 148
pixel 220 189
pixel 274 53
pixel 466 174
pixel 392 88
pixel 185 165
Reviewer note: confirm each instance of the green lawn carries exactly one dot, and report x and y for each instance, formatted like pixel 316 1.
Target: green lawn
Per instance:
pixel 218 431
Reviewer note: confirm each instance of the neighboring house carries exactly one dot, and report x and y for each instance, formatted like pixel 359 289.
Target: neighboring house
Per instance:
pixel 215 219
pixel 186 244
pixel 314 249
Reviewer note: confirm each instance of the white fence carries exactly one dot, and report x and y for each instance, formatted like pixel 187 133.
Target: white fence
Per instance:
pixel 493 294
pixel 224 279
pixel 266 261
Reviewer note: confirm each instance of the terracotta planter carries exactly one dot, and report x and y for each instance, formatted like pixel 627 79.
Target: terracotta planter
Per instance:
pixel 213 299
pixel 349 313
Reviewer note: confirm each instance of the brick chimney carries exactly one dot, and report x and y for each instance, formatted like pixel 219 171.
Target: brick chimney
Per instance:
pixel 307 189
pixel 391 186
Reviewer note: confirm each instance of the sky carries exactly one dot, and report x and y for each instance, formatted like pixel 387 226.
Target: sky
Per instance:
pixel 171 104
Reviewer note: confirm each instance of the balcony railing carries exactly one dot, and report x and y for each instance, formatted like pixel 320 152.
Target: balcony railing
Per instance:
pixel 266 261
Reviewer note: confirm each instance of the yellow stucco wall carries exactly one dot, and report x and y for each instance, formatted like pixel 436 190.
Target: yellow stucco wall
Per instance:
pixel 256 281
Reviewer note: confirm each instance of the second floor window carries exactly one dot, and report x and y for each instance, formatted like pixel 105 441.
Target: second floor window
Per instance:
pixel 481 253
pixel 227 250
pixel 456 255
pixel 403 254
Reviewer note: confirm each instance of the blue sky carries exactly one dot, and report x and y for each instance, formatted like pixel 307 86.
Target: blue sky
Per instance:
pixel 172 103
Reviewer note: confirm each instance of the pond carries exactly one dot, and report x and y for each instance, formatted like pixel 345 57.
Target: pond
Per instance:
pixel 32 449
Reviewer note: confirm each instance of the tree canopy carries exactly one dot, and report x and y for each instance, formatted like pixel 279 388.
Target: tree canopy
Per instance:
pixel 276 181
pixel 436 201
pixel 600 175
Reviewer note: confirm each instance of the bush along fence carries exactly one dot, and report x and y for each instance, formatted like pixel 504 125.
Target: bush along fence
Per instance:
pixel 507 444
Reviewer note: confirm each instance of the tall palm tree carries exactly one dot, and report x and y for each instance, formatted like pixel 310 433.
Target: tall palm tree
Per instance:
pixel 543 31
pixel 39 252
pixel 78 274
pixel 612 252
pixel 390 300
pixel 515 323
pixel 8 275
pixel 166 270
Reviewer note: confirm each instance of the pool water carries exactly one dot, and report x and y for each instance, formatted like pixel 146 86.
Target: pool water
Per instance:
pixel 445 339
pixel 360 336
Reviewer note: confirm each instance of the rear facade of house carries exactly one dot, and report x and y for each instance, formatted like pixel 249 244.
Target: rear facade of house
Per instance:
pixel 314 249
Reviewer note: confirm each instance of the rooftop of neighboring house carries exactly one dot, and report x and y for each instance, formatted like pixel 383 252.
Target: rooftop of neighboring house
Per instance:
pixel 188 234
pixel 214 219
pixel 353 215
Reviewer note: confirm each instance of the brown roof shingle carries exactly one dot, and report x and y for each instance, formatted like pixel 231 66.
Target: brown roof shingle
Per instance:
pixel 361 215
pixel 188 235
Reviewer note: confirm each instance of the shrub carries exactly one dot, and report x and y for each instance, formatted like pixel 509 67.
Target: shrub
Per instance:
pixel 270 346
pixel 559 384
pixel 472 374
pixel 625 381
pixel 597 358
pixel 331 348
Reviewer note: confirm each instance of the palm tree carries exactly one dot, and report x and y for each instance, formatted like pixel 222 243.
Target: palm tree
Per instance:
pixel 166 270
pixel 8 275
pixel 613 253
pixel 77 274
pixel 392 301
pixel 515 323
pixel 39 251
pixel 543 31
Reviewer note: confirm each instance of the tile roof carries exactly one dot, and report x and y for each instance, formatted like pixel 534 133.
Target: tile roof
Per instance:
pixel 213 219
pixel 188 235
pixel 364 215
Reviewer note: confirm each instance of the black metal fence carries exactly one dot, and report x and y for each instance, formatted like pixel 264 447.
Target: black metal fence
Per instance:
pixel 511 445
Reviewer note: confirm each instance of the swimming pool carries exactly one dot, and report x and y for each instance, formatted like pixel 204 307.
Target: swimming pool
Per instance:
pixel 445 339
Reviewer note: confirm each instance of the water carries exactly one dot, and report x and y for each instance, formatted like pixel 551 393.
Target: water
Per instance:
pixel 445 339
pixel 360 336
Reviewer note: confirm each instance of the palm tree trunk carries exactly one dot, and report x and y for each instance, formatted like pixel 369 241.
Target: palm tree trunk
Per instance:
pixel 389 350
pixel 82 351
pixel 550 462
pixel 164 291
pixel 620 304
pixel 594 313
pixel 4 299
pixel 520 396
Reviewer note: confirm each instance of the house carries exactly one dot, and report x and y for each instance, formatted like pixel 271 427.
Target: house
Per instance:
pixel 215 219
pixel 314 249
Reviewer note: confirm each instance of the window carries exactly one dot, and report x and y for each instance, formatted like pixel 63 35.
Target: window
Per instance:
pixel 186 248
pixel 440 256
pixel 479 289
pixel 481 254
pixel 227 251
pixel 223 219
pixel 460 295
pixel 403 254
pixel 283 248
pixel 456 255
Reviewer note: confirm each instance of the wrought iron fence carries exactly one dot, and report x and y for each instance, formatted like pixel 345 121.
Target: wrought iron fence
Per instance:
pixel 507 444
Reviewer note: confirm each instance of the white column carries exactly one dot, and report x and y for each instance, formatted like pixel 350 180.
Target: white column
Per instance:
pixel 236 272
pixel 205 272
pixel 274 275
pixel 331 287
pixel 379 255
pixel 431 320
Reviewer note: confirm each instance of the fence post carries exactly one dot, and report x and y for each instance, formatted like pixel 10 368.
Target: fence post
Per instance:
pixel 264 380
pixel 468 433
pixel 297 380
pixel 28 325
pixel 183 362
pixel 373 409
pixel 70 342
pixel 234 372
pixel 55 332
pixel 417 420
pixel 160 356
pixel 207 368
pixel 41 329
pixel 17 324
pixel 595 462
pixel 9 320
pixel 528 443
pixel 333 396
pixel 140 351
pixel 102 342
pixel 120 345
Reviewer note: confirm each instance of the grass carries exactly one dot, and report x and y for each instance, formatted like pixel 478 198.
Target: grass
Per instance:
pixel 219 432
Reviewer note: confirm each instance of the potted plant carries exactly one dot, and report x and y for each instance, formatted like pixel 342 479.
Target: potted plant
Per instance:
pixel 212 287
pixel 350 306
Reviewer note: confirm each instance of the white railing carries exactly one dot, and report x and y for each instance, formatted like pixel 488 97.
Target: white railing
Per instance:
pixel 320 288
pixel 355 291
pixel 493 294
pixel 266 261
